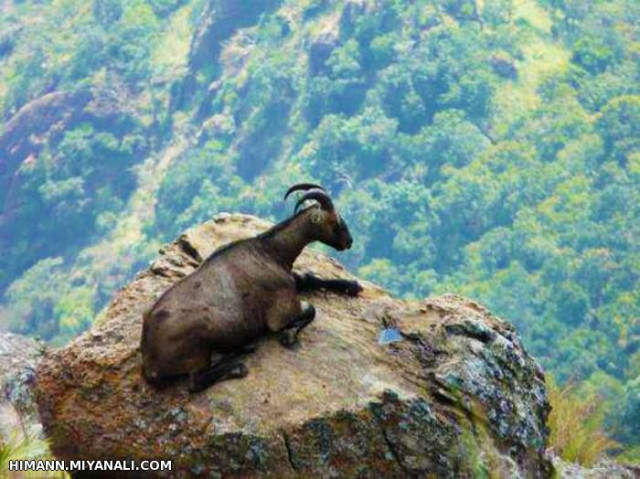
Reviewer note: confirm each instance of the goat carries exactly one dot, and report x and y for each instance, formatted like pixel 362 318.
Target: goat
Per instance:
pixel 202 324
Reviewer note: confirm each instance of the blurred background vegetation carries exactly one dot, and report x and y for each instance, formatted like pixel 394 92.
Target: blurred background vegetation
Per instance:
pixel 484 147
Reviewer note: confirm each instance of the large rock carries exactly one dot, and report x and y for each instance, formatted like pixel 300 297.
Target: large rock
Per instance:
pixel 458 396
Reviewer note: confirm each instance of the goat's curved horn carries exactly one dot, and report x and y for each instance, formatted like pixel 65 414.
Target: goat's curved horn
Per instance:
pixel 303 186
pixel 320 196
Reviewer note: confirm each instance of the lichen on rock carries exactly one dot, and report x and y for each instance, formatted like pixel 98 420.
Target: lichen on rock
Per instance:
pixel 457 397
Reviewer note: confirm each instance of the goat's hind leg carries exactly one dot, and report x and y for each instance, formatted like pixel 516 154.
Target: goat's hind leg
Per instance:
pixel 227 368
pixel 289 335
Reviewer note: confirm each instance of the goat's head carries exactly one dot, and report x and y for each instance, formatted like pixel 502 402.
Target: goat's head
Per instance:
pixel 325 223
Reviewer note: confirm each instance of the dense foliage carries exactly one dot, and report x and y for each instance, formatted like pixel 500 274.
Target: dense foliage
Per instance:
pixel 487 148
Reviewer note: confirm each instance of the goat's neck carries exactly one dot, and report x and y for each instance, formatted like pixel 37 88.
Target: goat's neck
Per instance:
pixel 287 243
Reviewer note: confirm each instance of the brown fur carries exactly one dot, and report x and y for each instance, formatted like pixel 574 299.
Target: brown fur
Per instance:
pixel 240 293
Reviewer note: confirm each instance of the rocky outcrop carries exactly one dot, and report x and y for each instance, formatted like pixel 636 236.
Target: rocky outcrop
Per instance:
pixel 43 123
pixel 605 469
pixel 19 356
pixel 220 19
pixel 456 396
pixel 22 137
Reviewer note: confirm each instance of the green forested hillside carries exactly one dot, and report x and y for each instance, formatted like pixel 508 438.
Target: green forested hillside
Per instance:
pixel 488 148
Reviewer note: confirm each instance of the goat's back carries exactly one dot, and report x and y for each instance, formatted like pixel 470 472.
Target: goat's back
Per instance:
pixel 220 306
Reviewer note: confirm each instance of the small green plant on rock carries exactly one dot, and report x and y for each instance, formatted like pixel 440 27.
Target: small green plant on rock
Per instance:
pixel 576 423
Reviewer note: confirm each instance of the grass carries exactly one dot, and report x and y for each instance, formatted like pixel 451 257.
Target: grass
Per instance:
pixel 576 424
pixel 24 443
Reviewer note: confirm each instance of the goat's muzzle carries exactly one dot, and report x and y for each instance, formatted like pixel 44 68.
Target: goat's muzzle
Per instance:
pixel 346 244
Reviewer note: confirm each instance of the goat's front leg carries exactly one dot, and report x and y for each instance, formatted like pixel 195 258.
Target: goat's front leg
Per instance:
pixel 289 335
pixel 310 282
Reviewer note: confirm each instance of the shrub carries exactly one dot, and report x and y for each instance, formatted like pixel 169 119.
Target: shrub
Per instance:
pixel 23 442
pixel 576 424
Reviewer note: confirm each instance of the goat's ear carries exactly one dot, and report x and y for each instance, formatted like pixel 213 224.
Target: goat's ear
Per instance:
pixel 316 217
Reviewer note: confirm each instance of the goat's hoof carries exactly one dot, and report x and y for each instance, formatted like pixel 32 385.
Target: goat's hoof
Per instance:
pixel 239 371
pixel 248 349
pixel 195 387
pixel 353 288
pixel 289 339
